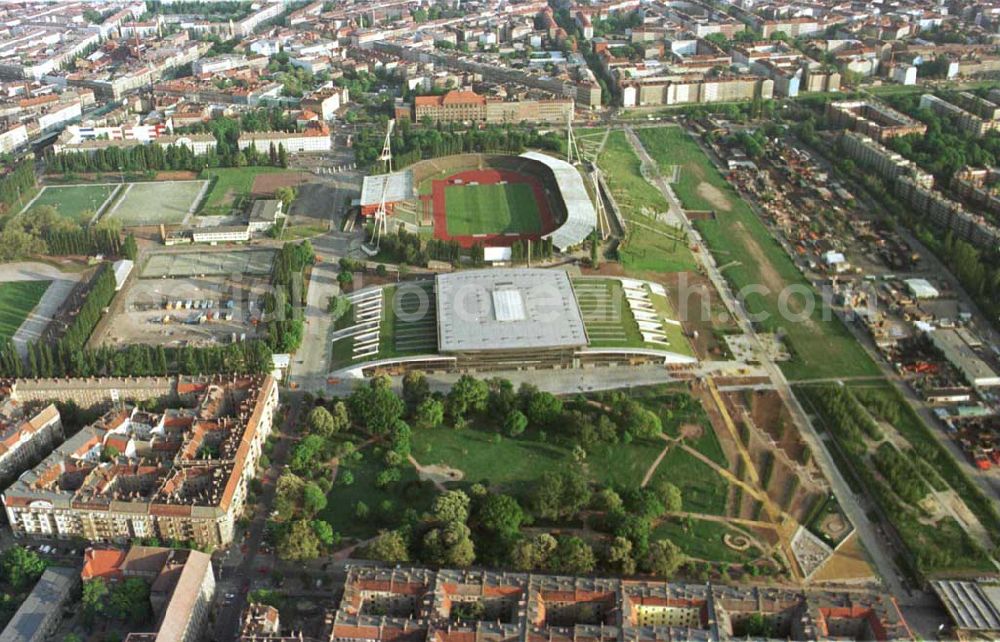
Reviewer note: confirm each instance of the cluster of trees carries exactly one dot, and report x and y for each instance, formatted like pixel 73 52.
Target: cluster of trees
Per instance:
pixel 152 157
pixel 485 526
pixel 945 147
pixel 899 470
pixel 410 144
pixel 541 249
pixel 617 23
pixel 896 488
pixel 435 13
pixel 17 182
pixel 407 248
pixel 45 232
pixel 218 10
pixel 847 418
pixel 19 570
pixel 137 158
pixel 125 601
pixel 283 306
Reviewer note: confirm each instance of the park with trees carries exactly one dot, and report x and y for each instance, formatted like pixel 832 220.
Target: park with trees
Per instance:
pixel 511 477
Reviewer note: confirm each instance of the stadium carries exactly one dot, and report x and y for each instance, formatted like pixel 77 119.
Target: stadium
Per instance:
pixel 507 319
pixel 491 200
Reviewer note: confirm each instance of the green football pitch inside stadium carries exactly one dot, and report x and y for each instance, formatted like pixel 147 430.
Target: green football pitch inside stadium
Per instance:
pixel 491 209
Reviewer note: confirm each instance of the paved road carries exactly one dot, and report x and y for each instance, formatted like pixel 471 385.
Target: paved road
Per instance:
pixel 238 577
pixel 881 555
pixel 311 364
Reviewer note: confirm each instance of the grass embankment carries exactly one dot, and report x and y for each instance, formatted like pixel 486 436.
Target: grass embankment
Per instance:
pixel 821 345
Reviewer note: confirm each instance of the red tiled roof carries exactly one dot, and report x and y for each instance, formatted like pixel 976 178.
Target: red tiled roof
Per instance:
pixel 102 562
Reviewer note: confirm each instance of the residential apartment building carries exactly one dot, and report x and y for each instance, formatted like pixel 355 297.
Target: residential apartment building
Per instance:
pixel 977 187
pixel 41 613
pixel 227 62
pixel 71 141
pixel 326 102
pixel 181 581
pixel 383 604
pixel 947 214
pixel 694 89
pixel 25 441
pixel 875 120
pixel 965 120
pixel 886 163
pixel 181 474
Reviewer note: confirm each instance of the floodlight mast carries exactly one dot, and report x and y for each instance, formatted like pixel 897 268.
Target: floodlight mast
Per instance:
pixel 573 155
pixel 379 228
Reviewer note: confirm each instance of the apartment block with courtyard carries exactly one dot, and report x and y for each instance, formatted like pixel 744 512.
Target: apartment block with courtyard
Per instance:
pixel 180 474
pixel 381 604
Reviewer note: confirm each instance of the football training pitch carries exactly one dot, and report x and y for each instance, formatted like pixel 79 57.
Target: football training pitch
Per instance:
pixel 73 201
pixel 497 208
pixel 17 300
pixel 166 202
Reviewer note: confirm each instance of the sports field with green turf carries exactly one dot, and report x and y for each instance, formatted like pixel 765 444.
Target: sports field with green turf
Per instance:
pixel 73 201
pixel 491 209
pixel 17 299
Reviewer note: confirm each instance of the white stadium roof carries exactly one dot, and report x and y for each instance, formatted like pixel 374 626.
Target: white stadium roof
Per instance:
pixel 400 188
pixel 581 218
pixel 507 309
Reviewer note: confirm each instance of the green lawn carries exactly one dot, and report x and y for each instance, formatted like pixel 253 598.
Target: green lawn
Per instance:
pixel 229 185
pixel 703 489
pixel 658 250
pixel 512 465
pixel 155 203
pixel 73 202
pixel 491 209
pixel 821 345
pixel 703 540
pixel 17 299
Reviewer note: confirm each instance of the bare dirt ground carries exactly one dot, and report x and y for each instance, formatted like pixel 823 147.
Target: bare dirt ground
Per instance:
pixel 141 319
pixel 769 275
pixel 713 195
pixel 691 431
pixel 437 474
pixel 769 414
pixel 604 269
pixel 176 176
pixel 701 312
pixel 265 184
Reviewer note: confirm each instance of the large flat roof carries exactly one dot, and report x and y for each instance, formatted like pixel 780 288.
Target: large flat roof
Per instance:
pixel 399 188
pixel 973 606
pixel 507 309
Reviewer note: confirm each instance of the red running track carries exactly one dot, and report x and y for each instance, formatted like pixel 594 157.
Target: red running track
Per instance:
pixel 488 177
